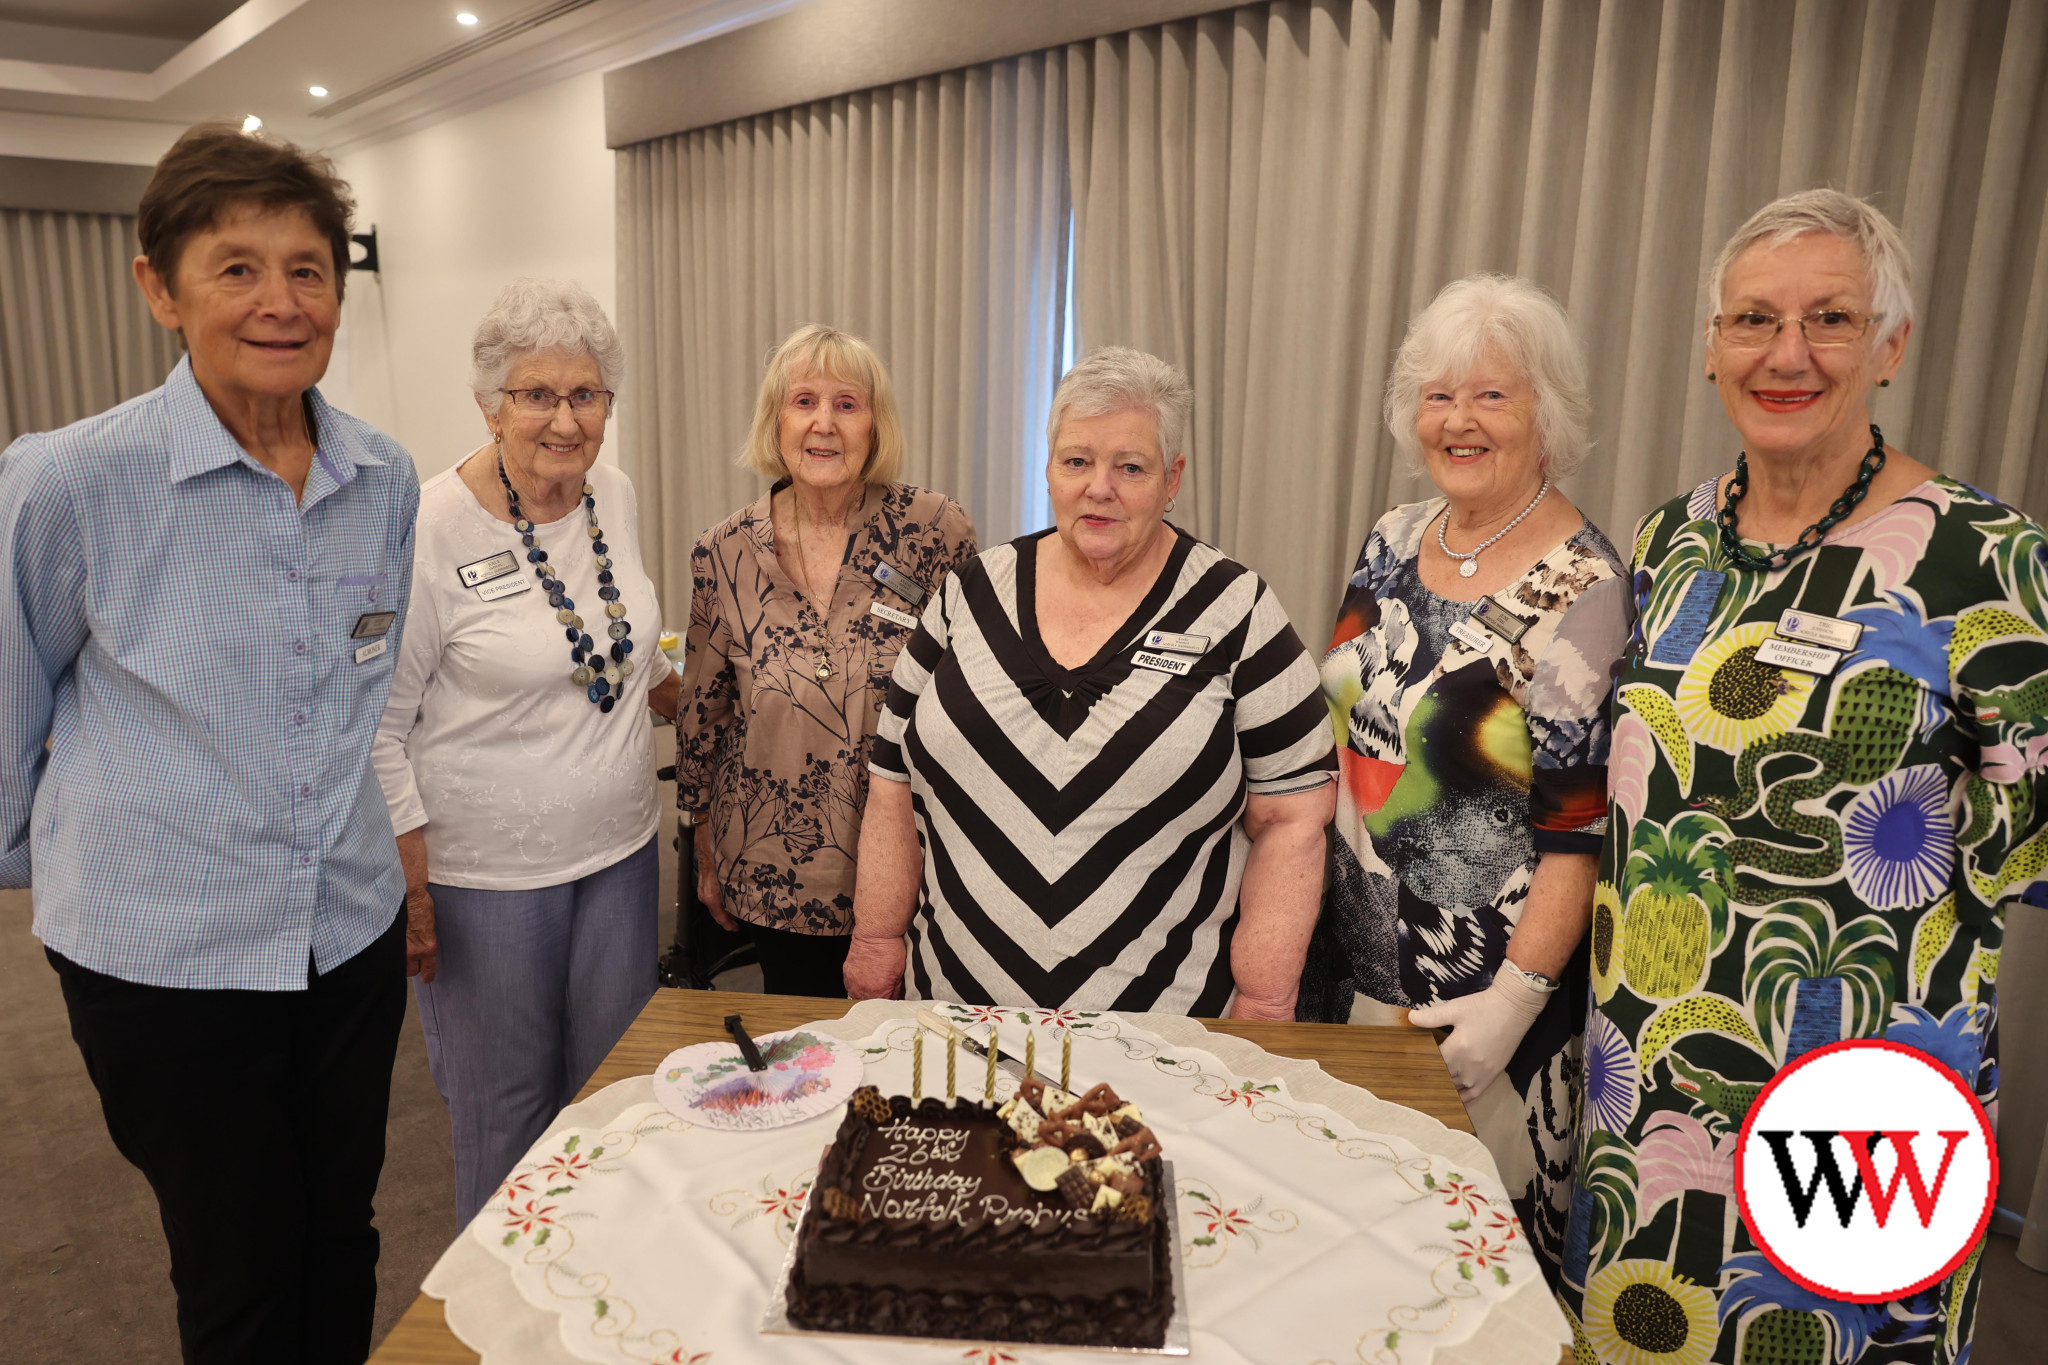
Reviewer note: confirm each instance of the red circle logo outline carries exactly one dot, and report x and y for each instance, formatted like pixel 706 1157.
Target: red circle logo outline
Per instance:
pixel 1983 1128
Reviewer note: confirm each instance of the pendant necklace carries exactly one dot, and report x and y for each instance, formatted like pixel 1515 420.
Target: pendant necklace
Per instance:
pixel 1471 558
pixel 823 672
pixel 601 679
pixel 1812 536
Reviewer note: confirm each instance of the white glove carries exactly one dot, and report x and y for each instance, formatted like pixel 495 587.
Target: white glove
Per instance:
pixel 1485 1030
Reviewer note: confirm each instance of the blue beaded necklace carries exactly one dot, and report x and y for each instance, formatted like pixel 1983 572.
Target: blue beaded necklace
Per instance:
pixel 600 679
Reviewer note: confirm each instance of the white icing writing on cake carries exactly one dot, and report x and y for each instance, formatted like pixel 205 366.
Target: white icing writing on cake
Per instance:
pixel 920 1143
pixel 998 1209
pixel 901 1183
pixel 912 1179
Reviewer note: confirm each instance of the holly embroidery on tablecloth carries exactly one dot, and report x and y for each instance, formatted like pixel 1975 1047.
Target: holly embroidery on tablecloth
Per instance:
pixel 780 1201
pixel 533 1203
pixel 1457 1192
pixel 1215 1223
pixel 1075 1021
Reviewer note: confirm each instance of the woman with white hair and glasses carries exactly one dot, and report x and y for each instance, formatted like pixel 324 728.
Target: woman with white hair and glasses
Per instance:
pixel 1824 796
pixel 1109 742
pixel 516 753
pixel 1468 684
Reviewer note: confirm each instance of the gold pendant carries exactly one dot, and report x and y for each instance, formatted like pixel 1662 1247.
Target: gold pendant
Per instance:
pixel 824 669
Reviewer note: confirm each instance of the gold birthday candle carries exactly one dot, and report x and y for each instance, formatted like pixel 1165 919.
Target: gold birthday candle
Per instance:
pixel 988 1084
pixel 1030 1050
pixel 917 1065
pixel 952 1050
pixel 1067 1060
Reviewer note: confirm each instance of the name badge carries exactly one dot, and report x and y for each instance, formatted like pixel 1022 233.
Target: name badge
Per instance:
pixel 1495 616
pixel 371 650
pixel 1162 663
pixel 900 583
pixel 1178 644
pixel 484 570
pixel 901 618
pixel 504 587
pixel 1782 653
pixel 1471 636
pixel 372 624
pixel 1820 630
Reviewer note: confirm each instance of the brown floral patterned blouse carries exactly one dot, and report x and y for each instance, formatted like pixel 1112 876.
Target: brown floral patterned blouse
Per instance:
pixel 778 757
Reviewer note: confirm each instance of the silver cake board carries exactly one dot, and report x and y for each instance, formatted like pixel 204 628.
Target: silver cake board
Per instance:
pixel 775 1317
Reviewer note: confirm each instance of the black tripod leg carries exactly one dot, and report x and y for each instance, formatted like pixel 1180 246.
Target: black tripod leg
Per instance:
pixel 674 969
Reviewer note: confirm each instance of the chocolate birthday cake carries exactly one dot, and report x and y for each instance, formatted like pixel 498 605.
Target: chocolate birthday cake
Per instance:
pixel 1039 1221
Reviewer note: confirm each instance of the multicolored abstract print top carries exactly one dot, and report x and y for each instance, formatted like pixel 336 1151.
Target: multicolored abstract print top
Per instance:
pixel 1823 794
pixel 1459 764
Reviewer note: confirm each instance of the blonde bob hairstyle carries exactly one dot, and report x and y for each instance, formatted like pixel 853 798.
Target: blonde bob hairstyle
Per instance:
pixel 818 349
pixel 1525 327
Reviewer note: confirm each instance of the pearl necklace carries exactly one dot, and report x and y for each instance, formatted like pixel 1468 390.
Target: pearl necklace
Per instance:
pixel 1471 564
pixel 600 680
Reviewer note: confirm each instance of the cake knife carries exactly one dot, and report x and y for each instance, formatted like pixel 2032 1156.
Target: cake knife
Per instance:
pixel 979 1047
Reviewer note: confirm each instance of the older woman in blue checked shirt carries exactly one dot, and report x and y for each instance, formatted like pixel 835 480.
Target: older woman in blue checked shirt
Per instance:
pixel 201 595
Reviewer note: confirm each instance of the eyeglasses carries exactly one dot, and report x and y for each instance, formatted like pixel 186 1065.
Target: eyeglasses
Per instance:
pixel 1822 327
pixel 543 402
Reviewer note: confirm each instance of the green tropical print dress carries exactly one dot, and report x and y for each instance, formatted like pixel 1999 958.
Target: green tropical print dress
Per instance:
pixel 1794 858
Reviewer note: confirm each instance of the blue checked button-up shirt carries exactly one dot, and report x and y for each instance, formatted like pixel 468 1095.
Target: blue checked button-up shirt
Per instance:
pixel 180 630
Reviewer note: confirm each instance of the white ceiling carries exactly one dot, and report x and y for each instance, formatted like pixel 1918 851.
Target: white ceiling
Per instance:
pixel 116 80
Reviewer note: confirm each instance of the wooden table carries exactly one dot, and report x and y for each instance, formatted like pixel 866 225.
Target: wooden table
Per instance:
pixel 1397 1064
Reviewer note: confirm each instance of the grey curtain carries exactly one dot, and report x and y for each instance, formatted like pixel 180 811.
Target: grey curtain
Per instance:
pixel 75 335
pixel 928 216
pixel 1266 195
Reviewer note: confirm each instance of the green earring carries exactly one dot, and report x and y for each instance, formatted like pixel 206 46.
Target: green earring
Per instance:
pixel 1711 376
pixel 1884 383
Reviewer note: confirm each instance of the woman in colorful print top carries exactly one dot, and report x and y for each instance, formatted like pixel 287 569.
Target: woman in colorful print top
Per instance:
pixel 1822 797
pixel 1470 710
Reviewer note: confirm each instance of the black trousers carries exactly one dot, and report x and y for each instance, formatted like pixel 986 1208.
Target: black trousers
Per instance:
pixel 258 1118
pixel 800 964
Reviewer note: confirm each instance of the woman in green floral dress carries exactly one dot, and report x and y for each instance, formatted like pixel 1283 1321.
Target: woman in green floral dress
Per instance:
pixel 1799 855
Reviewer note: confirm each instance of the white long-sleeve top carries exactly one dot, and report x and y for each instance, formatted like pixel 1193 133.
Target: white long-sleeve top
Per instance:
pixel 520 781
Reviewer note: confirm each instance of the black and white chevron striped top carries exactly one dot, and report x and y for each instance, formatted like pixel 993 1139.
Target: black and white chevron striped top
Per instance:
pixel 1081 836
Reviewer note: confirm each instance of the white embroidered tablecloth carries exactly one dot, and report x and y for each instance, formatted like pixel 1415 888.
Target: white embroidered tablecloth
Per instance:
pixel 1319 1224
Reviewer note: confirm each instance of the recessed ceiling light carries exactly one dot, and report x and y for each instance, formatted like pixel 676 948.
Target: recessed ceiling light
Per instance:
pixel 318 92
pixel 252 124
pixel 466 19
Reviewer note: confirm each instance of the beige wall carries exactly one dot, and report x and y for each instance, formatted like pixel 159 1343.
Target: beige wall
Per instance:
pixel 523 187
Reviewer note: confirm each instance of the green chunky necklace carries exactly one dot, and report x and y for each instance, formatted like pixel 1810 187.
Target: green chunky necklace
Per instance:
pixel 1812 536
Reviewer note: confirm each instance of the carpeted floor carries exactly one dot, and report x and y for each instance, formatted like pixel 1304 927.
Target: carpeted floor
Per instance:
pixel 84 1257
pixel 87 1276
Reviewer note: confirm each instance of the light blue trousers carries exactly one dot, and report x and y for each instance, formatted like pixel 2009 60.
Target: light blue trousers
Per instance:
pixel 533 989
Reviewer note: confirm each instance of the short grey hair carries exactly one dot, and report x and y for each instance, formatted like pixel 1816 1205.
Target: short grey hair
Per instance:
pixel 1119 379
pixel 532 315
pixel 1887 265
pixel 1513 318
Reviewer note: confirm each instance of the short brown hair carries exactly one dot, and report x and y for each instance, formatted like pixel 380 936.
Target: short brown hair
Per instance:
pixel 818 349
pixel 214 168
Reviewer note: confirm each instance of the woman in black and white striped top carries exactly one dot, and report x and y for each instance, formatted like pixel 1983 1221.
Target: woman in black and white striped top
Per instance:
pixel 1111 745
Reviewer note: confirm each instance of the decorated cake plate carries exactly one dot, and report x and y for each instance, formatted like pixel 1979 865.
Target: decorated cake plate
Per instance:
pixel 775 1318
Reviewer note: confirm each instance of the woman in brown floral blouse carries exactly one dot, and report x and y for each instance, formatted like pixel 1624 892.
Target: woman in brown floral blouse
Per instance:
pixel 799 605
